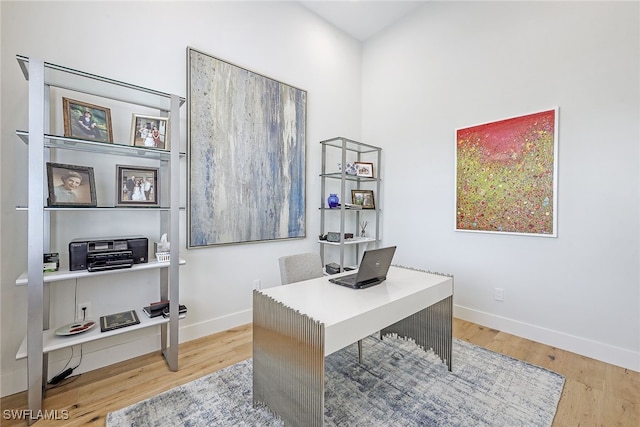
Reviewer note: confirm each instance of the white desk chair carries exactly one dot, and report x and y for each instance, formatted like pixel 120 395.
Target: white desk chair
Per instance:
pixel 299 267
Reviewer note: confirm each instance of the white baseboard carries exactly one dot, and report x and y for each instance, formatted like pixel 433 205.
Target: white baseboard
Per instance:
pixel 596 350
pixel 108 351
pixel 213 326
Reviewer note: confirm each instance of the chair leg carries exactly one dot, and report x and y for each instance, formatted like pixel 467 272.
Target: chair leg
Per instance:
pixel 360 351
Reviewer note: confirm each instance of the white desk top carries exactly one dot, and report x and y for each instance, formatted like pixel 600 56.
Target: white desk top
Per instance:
pixel 349 314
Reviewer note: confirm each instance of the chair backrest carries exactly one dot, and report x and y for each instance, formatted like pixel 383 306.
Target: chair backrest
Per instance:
pixel 299 267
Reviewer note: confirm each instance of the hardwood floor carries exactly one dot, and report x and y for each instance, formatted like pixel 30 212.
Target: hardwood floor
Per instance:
pixel 595 393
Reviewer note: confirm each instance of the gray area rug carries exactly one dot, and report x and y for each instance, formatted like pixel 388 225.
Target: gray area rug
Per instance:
pixel 397 385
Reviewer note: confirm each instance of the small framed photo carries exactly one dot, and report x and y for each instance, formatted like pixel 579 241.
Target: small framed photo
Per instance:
pixel 137 186
pixel 148 131
pixel 86 121
pixel 364 169
pixel 363 198
pixel 71 185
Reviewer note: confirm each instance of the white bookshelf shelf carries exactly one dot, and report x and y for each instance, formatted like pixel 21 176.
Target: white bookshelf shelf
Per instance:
pixel 355 241
pixel 65 274
pixel 52 342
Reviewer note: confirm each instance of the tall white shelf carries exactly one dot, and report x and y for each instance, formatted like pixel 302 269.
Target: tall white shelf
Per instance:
pixel 343 151
pixel 40 340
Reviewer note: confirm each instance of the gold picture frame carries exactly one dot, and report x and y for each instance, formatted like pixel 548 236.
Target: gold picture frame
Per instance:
pixel 363 198
pixel 86 121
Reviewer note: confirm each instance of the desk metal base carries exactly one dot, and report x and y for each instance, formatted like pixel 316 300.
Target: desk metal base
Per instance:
pixel 431 328
pixel 288 355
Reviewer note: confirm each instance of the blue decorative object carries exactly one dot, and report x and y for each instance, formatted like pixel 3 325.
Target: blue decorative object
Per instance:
pixel 349 170
pixel 333 200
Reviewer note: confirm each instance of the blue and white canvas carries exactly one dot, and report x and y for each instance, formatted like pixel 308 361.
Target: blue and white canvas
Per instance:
pixel 246 154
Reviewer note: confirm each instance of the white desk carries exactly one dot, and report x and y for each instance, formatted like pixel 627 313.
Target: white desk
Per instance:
pixel 295 326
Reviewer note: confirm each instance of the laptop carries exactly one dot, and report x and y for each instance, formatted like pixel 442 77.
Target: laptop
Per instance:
pixel 372 271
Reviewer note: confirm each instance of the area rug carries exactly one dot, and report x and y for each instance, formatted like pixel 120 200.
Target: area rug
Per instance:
pixel 398 384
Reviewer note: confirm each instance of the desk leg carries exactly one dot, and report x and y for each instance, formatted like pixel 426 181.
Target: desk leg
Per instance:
pixel 431 328
pixel 288 362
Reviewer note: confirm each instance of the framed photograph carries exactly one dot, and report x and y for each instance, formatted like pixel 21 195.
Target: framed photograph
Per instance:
pixel 71 185
pixel 137 186
pixel 364 169
pixel 86 121
pixel 363 198
pixel 148 131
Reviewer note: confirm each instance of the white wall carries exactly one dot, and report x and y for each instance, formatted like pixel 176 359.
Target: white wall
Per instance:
pixel 145 43
pixel 457 64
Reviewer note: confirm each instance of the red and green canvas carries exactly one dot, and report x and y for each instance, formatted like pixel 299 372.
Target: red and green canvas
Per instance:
pixel 505 175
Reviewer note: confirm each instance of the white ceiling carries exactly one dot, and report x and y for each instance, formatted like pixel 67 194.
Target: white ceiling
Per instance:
pixel 362 19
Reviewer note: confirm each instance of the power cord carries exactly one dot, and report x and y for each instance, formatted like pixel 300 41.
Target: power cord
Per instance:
pixel 66 370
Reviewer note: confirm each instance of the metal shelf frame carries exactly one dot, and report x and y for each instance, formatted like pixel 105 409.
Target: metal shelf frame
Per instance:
pixel 41 76
pixel 348 149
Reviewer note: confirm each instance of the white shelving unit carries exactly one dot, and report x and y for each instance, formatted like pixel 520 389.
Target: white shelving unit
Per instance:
pixel 40 340
pixel 52 342
pixel 342 150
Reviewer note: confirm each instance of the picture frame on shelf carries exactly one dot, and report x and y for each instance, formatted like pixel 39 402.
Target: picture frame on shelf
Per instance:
pixel 86 121
pixel 363 198
pixel 70 186
pixel 150 131
pixel 364 169
pixel 137 186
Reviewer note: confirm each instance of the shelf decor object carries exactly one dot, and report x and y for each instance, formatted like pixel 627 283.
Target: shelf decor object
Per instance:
pixel 364 169
pixel 363 198
pixel 71 185
pixel 246 157
pixel 111 322
pixel 150 131
pixel 137 186
pixel 506 176
pixel 333 200
pixel 86 121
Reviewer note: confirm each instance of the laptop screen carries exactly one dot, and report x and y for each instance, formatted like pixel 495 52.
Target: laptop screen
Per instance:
pixel 375 264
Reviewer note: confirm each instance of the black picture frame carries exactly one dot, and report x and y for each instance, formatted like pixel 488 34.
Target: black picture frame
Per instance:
pixel 70 186
pixel 137 186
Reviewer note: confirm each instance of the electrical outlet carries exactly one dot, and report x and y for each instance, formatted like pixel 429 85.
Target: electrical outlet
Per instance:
pixel 498 294
pixel 83 311
pixel 257 284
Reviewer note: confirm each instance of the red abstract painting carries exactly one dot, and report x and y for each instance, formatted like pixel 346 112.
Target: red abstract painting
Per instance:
pixel 506 175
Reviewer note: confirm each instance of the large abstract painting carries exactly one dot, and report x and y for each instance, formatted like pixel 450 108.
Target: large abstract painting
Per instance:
pixel 506 175
pixel 246 155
